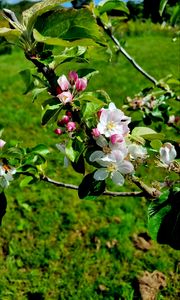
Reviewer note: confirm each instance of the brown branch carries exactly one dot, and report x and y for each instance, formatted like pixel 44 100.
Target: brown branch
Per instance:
pixel 48 73
pixel 106 193
pixel 149 192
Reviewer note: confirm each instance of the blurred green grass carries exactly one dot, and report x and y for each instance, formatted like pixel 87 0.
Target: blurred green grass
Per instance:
pixel 53 245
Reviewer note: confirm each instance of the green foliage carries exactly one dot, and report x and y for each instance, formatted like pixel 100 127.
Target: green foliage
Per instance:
pixel 164 219
pixel 89 188
pixel 109 5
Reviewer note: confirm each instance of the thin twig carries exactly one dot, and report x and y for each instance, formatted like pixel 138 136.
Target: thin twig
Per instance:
pixel 124 52
pixel 106 193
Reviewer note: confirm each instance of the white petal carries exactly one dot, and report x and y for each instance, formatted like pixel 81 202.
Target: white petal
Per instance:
pixel 125 167
pixel 112 106
pixel 96 155
pixel 101 174
pixel 117 178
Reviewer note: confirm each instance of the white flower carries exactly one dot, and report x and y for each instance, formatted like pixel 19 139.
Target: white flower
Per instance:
pixel 113 167
pixel 137 151
pixel 108 149
pixel 167 153
pixel 113 121
pixel 6 173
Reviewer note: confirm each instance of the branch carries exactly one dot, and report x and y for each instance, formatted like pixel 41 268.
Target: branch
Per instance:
pixel 48 73
pixel 123 51
pixel 106 193
pixel 149 192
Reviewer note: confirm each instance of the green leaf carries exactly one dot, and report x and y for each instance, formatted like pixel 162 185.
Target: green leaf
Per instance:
pixel 70 152
pixel 90 189
pixel 26 181
pixel 28 80
pixel 156 144
pixel 60 42
pixel 89 110
pixel 109 5
pixel 40 149
pixel 70 54
pixel 11 35
pixel 162 6
pixel 50 113
pixel 164 219
pixel 88 73
pixel 79 165
pixel 3 205
pixel 69 28
pixel 37 91
pixel 30 15
pixel 175 15
pixel 146 133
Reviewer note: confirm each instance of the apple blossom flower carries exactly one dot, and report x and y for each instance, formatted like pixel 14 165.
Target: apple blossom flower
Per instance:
pixel 63 83
pixel 2 143
pixel 6 175
pixel 113 121
pixel 81 84
pixel 167 153
pixel 113 168
pixel 95 132
pixel 72 76
pixel 109 150
pixel 65 97
pixel 137 151
pixel 71 126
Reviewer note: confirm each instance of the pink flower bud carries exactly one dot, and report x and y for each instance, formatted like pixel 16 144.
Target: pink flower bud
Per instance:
pixel 63 83
pixel 69 114
pixel 71 126
pixel 116 138
pixel 58 90
pixel 65 119
pixel 95 132
pixel 72 76
pixel 99 113
pixel 2 143
pixel 58 131
pixel 81 84
pixel 65 97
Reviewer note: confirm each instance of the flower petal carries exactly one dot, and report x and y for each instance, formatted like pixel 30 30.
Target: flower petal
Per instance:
pixel 101 174
pixel 125 167
pixel 96 155
pixel 117 178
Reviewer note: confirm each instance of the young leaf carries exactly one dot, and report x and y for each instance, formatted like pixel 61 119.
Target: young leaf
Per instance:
pixel 109 5
pixel 90 189
pixel 50 114
pixel 146 133
pixel 26 181
pixel 28 80
pixel 40 149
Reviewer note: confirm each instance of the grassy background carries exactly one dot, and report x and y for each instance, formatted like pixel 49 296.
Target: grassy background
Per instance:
pixel 53 245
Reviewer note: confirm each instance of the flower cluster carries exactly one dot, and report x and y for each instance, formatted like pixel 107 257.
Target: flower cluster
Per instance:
pixel 116 150
pixel 69 87
pixel 65 124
